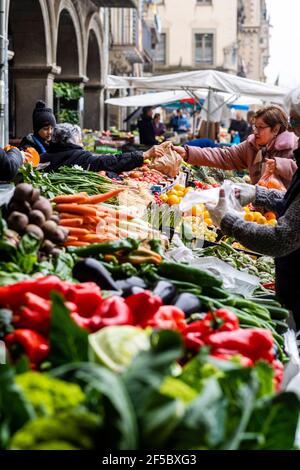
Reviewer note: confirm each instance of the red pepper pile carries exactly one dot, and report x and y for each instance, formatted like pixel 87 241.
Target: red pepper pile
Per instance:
pixel 220 330
pixel 31 307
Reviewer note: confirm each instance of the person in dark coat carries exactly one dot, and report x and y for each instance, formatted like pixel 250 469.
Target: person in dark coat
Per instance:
pixel 66 149
pixel 146 128
pixel 10 162
pixel 239 125
pixel 44 123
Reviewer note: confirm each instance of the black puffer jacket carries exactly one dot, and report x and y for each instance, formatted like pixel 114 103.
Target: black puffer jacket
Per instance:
pixel 69 155
pixel 10 163
pixel 32 140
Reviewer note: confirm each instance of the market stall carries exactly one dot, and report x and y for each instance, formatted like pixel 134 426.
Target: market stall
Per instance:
pixel 131 324
pixel 221 88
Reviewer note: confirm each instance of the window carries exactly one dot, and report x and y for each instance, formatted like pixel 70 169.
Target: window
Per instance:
pixel 204 2
pixel 160 50
pixel 204 49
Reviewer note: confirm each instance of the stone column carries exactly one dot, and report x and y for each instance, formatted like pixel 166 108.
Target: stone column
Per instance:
pixel 93 106
pixel 31 83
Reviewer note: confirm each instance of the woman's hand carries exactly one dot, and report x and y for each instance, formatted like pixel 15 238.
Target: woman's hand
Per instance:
pixel 218 212
pixel 180 150
pixel 270 165
pixel 154 152
pixel 245 193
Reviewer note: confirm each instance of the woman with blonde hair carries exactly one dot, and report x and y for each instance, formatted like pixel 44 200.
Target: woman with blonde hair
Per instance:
pixel 271 143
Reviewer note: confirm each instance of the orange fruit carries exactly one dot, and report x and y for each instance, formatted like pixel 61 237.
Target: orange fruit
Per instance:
pixel 208 221
pixel 270 215
pixel 272 222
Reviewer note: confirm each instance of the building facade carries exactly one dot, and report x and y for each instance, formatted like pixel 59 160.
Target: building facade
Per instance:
pixel 228 35
pixel 197 34
pixel 253 38
pixel 76 41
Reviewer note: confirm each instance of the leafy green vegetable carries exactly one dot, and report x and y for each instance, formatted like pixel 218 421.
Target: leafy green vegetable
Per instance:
pixel 68 342
pixel 119 420
pixel 48 395
pixel 15 410
pixel 69 430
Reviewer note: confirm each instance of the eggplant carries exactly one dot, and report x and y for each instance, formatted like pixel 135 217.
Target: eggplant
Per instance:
pixel 166 291
pixel 91 270
pixel 132 291
pixel 132 281
pixel 188 303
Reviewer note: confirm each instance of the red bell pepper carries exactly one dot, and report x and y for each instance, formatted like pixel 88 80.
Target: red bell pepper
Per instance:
pixel 114 311
pixel 278 374
pixel 35 345
pixel 87 297
pixel 168 317
pixel 14 295
pixel 220 320
pixel 91 324
pixel 253 343
pixel 193 335
pixel 32 319
pixel 244 361
pixel 143 306
pixel 37 303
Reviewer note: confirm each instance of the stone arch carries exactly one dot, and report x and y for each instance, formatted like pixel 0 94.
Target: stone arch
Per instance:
pixel 93 92
pixel 29 69
pixel 69 41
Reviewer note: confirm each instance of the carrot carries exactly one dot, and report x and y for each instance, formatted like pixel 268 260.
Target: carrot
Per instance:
pixel 77 209
pixel 116 213
pixel 71 198
pixel 64 215
pixel 72 239
pixel 76 243
pixel 104 197
pixel 76 232
pixel 71 222
pixel 93 238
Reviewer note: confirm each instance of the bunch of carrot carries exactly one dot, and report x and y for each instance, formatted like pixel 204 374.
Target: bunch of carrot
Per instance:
pixel 87 221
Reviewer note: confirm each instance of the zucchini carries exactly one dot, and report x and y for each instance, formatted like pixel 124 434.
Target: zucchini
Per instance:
pixel 278 313
pixel 190 274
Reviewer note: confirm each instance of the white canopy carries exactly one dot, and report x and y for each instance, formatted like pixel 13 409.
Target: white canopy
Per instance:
pixel 199 79
pixel 164 97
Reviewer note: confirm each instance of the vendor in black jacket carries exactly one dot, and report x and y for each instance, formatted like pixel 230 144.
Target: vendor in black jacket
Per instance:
pixel 66 149
pixel 10 162
pixel 44 122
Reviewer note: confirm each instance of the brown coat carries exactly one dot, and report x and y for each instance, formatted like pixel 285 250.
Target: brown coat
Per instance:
pixel 246 156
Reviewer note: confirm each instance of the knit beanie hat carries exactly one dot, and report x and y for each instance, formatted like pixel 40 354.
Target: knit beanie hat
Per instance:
pixel 42 116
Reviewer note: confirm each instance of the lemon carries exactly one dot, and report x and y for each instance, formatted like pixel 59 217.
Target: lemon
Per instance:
pixel 179 187
pixel 272 222
pixel 173 199
pixel 261 220
pixel 248 217
pixel 188 189
pixel 164 197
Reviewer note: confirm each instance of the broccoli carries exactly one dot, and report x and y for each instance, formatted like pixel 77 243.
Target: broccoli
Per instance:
pixel 48 395
pixel 66 431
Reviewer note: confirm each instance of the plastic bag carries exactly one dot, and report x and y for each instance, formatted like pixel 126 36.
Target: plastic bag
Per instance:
pixel 269 180
pixel 6 193
pixel 234 281
pixel 169 164
pixel 211 196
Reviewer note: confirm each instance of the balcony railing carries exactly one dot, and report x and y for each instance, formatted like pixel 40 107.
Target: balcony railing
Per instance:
pixel 117 3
